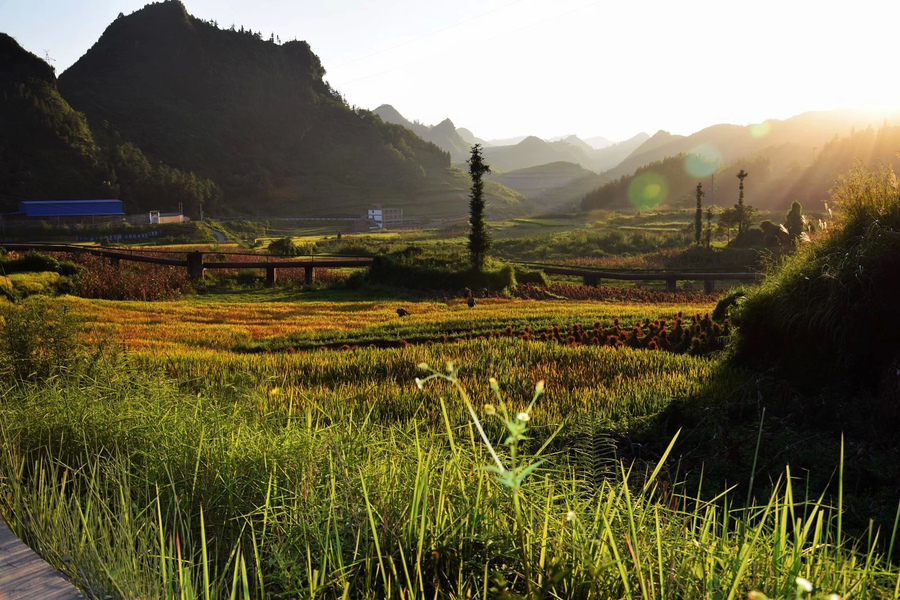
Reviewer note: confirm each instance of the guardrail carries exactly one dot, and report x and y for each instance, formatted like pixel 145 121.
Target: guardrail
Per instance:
pixel 196 265
pixel 592 277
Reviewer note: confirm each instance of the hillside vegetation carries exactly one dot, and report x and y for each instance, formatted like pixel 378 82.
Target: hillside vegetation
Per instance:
pixel 254 115
pixel 833 303
pixel 48 151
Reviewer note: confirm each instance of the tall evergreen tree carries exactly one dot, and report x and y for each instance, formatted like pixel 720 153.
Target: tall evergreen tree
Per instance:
pixel 479 239
pixel 698 216
pixel 740 205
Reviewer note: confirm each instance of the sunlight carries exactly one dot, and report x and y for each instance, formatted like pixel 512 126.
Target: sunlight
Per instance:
pixel 759 130
pixel 703 160
pixel 648 190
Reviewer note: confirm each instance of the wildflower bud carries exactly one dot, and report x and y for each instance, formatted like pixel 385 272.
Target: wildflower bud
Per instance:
pixel 539 388
pixel 804 584
pixel 494 385
pixel 570 516
pixel 450 367
pixel 523 416
pixel 423 366
pixel 418 383
pixel 490 410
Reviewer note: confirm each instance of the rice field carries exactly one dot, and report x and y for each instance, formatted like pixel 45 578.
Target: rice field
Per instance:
pixel 180 459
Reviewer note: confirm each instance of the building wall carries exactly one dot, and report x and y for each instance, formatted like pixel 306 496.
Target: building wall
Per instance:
pixel 386 218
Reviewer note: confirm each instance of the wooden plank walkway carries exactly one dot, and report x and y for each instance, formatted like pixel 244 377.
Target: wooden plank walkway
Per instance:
pixel 26 576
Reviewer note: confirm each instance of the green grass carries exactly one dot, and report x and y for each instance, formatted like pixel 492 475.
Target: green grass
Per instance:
pixel 146 473
pixel 308 485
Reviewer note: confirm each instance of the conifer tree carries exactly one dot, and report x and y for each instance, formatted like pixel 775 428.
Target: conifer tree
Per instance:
pixel 698 216
pixel 479 239
pixel 740 205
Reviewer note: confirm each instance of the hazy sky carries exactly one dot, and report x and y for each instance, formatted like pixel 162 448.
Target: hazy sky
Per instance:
pixel 513 67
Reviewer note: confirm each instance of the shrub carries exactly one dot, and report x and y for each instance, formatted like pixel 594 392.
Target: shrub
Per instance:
pixel 284 247
pixel 525 277
pixel 35 262
pixel 38 340
pixel 724 306
pixel 437 275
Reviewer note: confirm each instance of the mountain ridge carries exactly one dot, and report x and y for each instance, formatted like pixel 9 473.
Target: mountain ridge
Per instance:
pixel 57 155
pixel 257 117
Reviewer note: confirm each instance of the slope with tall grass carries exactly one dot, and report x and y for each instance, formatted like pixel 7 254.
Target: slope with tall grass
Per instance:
pixel 828 315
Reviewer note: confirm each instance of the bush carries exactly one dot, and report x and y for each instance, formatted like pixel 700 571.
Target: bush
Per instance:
pixel 38 340
pixel 284 247
pixel 725 305
pixel 437 275
pixel 830 311
pixel 34 262
pixel 524 277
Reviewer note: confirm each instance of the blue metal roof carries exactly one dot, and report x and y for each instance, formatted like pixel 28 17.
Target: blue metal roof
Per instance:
pixel 69 208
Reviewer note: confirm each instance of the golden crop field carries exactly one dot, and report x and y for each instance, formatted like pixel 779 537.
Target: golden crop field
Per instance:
pixel 221 325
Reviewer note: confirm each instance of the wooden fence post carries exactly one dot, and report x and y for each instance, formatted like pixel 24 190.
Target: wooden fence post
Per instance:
pixel 195 265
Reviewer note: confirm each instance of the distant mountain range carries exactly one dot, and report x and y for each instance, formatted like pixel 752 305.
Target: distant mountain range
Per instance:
pixel 519 152
pixel 731 142
pixel 557 185
pixel 777 174
pixel 443 135
pixel 167 110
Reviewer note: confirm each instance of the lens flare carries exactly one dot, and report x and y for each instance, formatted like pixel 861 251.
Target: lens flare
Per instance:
pixel 759 130
pixel 648 190
pixel 702 160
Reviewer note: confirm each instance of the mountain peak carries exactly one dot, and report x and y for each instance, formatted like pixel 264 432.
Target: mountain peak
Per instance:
pixel 18 63
pixel 444 126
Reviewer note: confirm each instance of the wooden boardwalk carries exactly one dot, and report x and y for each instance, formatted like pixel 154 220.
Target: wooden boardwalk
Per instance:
pixel 26 576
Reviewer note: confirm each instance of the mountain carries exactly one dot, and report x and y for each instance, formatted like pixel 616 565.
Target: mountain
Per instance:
pixel 49 152
pixel 257 117
pixel 731 142
pixel 777 175
pixel 604 159
pixel 519 152
pixel 594 143
pixel 443 135
pixel 389 114
pixel 598 142
pixel 41 136
pixel 508 141
pixel 550 186
pixel 470 138
pixel 533 151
